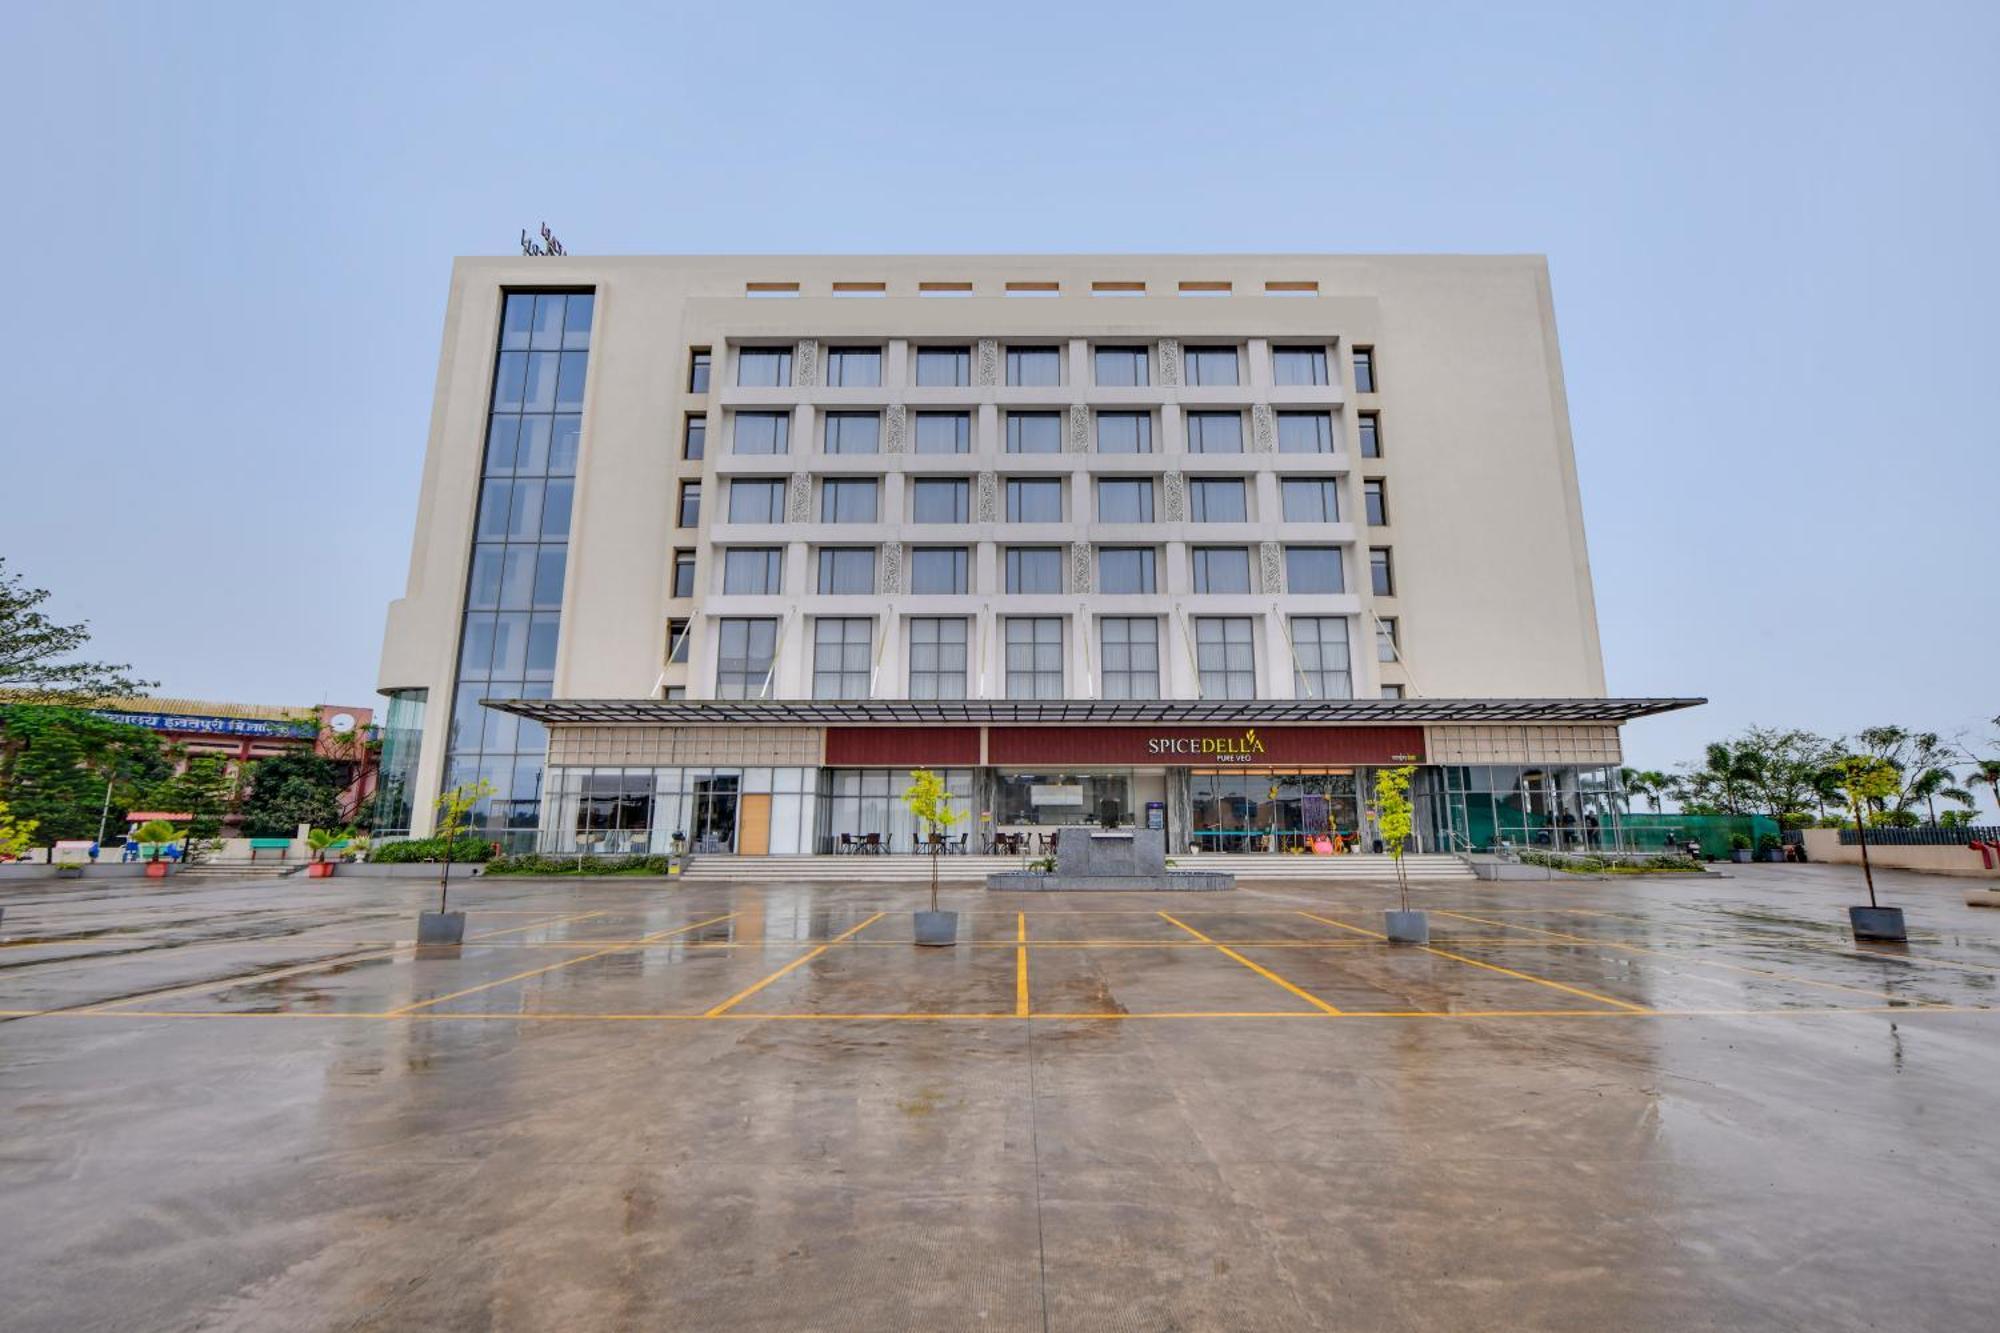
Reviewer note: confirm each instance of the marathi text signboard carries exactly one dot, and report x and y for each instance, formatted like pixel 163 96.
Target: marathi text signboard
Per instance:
pixel 213 726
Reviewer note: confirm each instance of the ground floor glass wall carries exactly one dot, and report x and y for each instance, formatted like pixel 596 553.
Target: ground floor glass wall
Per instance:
pixel 716 810
pixel 1477 808
pixel 1237 811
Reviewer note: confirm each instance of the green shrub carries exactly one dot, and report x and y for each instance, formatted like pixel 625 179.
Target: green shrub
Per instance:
pixel 1739 842
pixel 429 849
pixel 534 863
pixel 1768 843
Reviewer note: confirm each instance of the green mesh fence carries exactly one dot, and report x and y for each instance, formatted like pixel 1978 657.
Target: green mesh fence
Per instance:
pixel 1653 832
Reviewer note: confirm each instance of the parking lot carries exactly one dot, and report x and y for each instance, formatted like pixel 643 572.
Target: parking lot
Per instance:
pixel 1628 1103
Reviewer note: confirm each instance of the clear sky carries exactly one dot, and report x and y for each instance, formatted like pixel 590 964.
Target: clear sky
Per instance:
pixel 1772 230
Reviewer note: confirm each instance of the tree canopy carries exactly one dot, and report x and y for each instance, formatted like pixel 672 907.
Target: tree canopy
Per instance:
pixel 35 652
pixel 55 763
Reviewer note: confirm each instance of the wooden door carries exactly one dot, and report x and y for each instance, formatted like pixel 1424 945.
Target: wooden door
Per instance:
pixel 753 826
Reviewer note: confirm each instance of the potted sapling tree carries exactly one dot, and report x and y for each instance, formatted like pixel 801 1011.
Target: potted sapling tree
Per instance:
pixel 930 804
pixel 453 807
pixel 322 841
pixel 1392 820
pixel 1864 779
pixel 1739 848
pixel 158 834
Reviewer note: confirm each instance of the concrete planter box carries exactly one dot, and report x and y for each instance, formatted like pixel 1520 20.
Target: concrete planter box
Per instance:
pixel 159 869
pixel 408 870
pixel 14 870
pixel 1982 898
pixel 441 928
pixel 1877 923
pixel 319 870
pixel 937 928
pixel 1740 855
pixel 1407 927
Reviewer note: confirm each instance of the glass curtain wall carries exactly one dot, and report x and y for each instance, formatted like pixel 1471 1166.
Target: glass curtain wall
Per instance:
pixel 858 802
pixel 1490 807
pixel 1267 812
pixel 613 811
pixel 402 746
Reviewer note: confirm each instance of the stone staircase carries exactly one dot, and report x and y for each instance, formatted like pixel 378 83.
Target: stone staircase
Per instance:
pixel 904 869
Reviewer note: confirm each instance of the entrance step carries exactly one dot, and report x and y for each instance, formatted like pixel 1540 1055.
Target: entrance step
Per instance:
pixel 917 869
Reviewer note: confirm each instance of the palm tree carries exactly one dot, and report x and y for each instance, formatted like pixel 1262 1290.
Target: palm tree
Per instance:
pixel 1985 773
pixel 1650 783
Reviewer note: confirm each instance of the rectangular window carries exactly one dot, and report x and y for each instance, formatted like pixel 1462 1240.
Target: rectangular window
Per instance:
pixel 847 570
pixel 756 500
pixel 677 640
pixel 1224 569
pixel 944 432
pixel 753 571
pixel 1371 435
pixel 1033 569
pixel 1125 500
pixel 1034 432
pixel 939 569
pixel 1298 365
pixel 1305 433
pixel 1364 370
pixel 841 657
pixel 1034 500
pixel 764 367
pixel 1309 499
pixel 1121 367
pixel 1215 432
pixel 1034 657
pixel 689 515
pixel 1211 365
pixel 1387 647
pixel 848 500
pixel 1126 569
pixel 683 574
pixel 1321 669
pixel 1226 657
pixel 1124 432
pixel 1377 502
pixel 853 432
pixel 944 367
pixel 1380 579
pixel 763 433
pixel 698 370
pixel 1392 691
pixel 1313 569
pixel 853 367
pixel 937 658
pixel 1217 500
pixel 745 649
pixel 694 441
pixel 940 500
pixel 1129 647
pixel 1034 367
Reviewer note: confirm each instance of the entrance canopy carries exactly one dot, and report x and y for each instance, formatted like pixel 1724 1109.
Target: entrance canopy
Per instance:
pixel 964 712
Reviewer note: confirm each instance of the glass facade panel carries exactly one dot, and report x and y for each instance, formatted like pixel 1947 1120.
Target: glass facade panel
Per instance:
pixel 1124 432
pixel 1225 654
pixel 1034 432
pixel 853 367
pixel 944 367
pixel 746 651
pixel 940 500
pixel 1215 432
pixel 937 658
pixel 944 433
pixel 938 569
pixel 1129 647
pixel 1034 646
pixel 1034 367
pixel 1313 569
pixel 841 657
pixel 853 432
pixel 1056 799
pixel 1210 365
pixel 1305 433
pixel 1322 669
pixel 396 770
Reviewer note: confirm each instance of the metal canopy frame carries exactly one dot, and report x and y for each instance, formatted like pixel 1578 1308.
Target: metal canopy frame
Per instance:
pixel 1074 712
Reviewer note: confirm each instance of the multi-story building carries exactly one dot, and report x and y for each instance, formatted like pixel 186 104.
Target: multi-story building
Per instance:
pixel 723 547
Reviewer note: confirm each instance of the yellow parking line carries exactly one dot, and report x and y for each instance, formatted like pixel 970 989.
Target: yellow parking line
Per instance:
pixel 1495 967
pixel 800 961
pixel 1021 965
pixel 1263 972
pixel 536 925
pixel 552 967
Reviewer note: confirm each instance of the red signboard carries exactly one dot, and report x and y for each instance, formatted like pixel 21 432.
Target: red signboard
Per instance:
pixel 861 747
pixel 1204 747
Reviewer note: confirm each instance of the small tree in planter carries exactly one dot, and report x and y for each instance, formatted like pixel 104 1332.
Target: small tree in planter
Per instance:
pixel 1739 847
pixel 1864 780
pixel 158 833
pixel 453 807
pixel 322 841
pixel 929 803
pixel 1392 817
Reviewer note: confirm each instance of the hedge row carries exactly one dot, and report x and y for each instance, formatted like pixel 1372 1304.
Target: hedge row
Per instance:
pixel 429 849
pixel 531 863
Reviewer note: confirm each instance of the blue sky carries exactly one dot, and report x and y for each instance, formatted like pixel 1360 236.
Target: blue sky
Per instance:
pixel 1771 229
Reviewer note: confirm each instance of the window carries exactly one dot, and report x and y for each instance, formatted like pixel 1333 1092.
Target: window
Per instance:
pixel 939 569
pixel 1298 365
pixel 1034 500
pixel 1121 367
pixel 1034 367
pixel 764 367
pixel 1377 502
pixel 745 649
pixel 848 500
pixel 937 658
pixel 1313 569
pixel 1034 569
pixel 1305 433
pixel 1034 432
pixel 753 571
pixel 940 500
pixel 690 507
pixel 763 433
pixel 1034 657
pixel 1124 432
pixel 944 367
pixel 757 500
pixel 1217 500
pixel 1130 649
pixel 1371 435
pixel 1387 647
pixel 1392 691
pixel 1309 499
pixel 847 570
pixel 1380 579
pixel 698 370
pixel 841 657
pixel 1126 569
pixel 694 441
pixel 1125 500
pixel 1223 569
pixel 1215 432
pixel 677 692
pixel 677 640
pixel 1364 370
pixel 944 433
pixel 853 367
pixel 1211 365
pixel 1321 669
pixel 683 574
pixel 853 432
pixel 1225 657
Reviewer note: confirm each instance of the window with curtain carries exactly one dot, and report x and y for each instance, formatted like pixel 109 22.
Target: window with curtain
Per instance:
pixel 1034 367
pixel 944 367
pixel 1121 367
pixel 853 367
pixel 1215 432
pixel 1034 500
pixel 763 433
pixel 849 500
pixel 1298 365
pixel 764 367
pixel 1034 432
pixel 853 432
pixel 1124 432
pixel 1127 569
pixel 1034 647
pixel 944 433
pixel 1224 569
pixel 1309 499
pixel 1305 433
pixel 841 656
pixel 1217 500
pixel 745 650
pixel 757 500
pixel 1322 669
pixel 1226 657
pixel 1210 365
pixel 940 499
pixel 937 657
pixel 753 571
pixel 1034 569
pixel 1125 500
pixel 1313 569
pixel 1129 647
pixel 846 570
pixel 939 569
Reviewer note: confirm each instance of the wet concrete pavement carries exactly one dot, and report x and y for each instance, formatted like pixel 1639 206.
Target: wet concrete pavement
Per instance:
pixel 1667 1103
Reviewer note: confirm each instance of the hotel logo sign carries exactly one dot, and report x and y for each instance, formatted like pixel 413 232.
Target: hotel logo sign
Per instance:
pixel 1213 749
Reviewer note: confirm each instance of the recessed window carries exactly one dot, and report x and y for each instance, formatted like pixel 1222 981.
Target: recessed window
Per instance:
pixel 1215 432
pixel 940 570
pixel 1377 501
pixel 1392 691
pixel 853 432
pixel 944 433
pixel 676 692
pixel 764 367
pixel 1034 657
pixel 1034 367
pixel 1371 435
pixel 1034 500
pixel 1124 432
pixel 1226 657
pixel 1321 668
pixel 698 361
pixel 1217 500
pixel 1387 647
pixel 937 658
pixel 1305 433
pixel 1130 649
pixel 1033 289
pixel 677 640
pixel 694 442
pixel 1381 578
pixel 1221 569
pixel 757 500
pixel 853 367
pixel 689 515
pixel 944 289
pixel 860 289
pixel 944 367
pixel 1121 367
pixel 683 574
pixel 846 571
pixel 1125 500
pixel 841 656
pixel 1309 499
pixel 763 433
pixel 1034 432
pixel 753 571
pixel 1034 569
pixel 1364 370
pixel 1205 288
pixel 940 500
pixel 1210 365
pixel 1127 569
pixel 1117 289
pixel 1298 365
pixel 1313 569
pixel 848 500
pixel 745 652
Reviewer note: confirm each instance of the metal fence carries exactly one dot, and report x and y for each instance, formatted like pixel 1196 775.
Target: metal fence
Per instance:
pixel 1923 837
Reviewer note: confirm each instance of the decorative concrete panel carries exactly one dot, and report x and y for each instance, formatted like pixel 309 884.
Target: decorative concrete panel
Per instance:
pixel 785 747
pixel 1079 567
pixel 1078 441
pixel 989 362
pixel 891 581
pixel 805 363
pixel 989 498
pixel 1263 436
pixel 799 501
pixel 1580 744
pixel 1175 500
pixel 1272 558
pixel 895 422
pixel 1170 361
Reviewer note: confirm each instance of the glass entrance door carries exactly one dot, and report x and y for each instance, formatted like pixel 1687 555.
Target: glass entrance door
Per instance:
pixel 715 813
